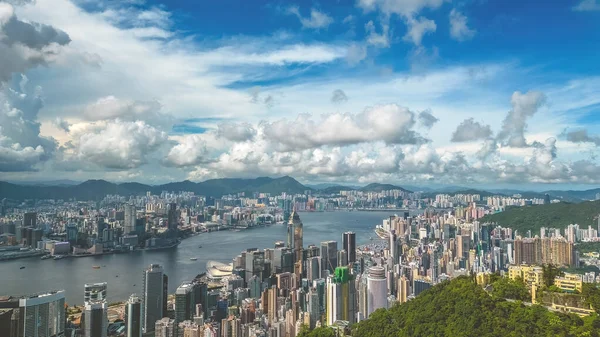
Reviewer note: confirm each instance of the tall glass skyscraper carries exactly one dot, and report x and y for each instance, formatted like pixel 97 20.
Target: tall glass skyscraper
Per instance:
pixel 153 297
pixel 134 316
pixel 349 244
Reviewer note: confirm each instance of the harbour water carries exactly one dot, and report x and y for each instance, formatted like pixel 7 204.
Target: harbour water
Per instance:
pixel 123 272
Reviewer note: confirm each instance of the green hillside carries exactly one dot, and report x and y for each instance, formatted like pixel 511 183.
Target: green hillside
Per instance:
pixel 460 308
pixel 558 215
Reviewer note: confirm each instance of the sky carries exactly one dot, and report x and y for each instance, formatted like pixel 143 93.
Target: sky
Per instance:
pixel 501 93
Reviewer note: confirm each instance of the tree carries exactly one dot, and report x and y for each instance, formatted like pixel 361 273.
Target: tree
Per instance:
pixel 549 273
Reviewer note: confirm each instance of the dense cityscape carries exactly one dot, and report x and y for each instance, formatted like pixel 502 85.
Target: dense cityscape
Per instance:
pixel 278 290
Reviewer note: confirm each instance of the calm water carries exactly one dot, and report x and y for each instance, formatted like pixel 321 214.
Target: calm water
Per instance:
pixel 72 273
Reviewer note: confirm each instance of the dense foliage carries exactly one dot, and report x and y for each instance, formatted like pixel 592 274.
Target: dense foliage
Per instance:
pixel 558 215
pixel 504 287
pixel 318 332
pixel 461 308
pixel 588 247
pixel 592 295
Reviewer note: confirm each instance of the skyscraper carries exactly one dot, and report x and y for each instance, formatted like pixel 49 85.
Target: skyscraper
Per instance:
pixel 341 297
pixel 295 240
pixel 30 219
pixel 40 315
pixel 95 319
pixel 342 258
pixel 184 302
pixel 329 255
pixel 172 217
pixel 130 217
pixel 377 288
pixel 134 316
pixel 349 244
pixel 94 292
pixel 153 297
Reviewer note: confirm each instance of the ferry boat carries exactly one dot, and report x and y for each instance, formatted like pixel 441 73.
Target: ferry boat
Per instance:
pixel 96 267
pixel 46 257
pixel 22 267
pixel 59 257
pixel 193 258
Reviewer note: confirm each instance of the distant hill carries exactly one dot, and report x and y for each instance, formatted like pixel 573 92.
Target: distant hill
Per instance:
pixel 585 195
pixel 98 189
pixel 376 187
pixel 482 193
pixel 335 189
pixel 558 215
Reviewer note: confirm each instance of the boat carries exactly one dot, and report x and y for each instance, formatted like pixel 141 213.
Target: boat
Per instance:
pixel 193 258
pixel 199 246
pixel 46 257
pixel 59 257
pixel 96 267
pixel 22 267
pixel 116 275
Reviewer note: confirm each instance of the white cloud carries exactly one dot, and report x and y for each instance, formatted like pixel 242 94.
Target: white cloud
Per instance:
pixel 191 150
pixel 587 6
pixel 400 7
pixel 119 144
pixel 524 106
pixel 417 28
pixel 378 40
pixel 459 29
pixel 338 96
pixel 470 130
pixel 316 20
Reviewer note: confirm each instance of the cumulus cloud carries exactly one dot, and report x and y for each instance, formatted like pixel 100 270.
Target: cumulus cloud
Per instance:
pixel 119 144
pixel 21 145
pixel 587 6
pixel 417 28
pixel 338 96
pixel 427 119
pixel 459 29
pixel 192 150
pixel 237 132
pixel 316 20
pixel 582 136
pixel 389 123
pixel 470 130
pixel 62 124
pixel 24 45
pixel 110 107
pixel 524 106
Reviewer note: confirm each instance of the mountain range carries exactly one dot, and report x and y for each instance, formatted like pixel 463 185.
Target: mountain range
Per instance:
pixel 97 189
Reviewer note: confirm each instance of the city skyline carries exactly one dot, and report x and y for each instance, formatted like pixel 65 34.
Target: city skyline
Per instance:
pixel 356 92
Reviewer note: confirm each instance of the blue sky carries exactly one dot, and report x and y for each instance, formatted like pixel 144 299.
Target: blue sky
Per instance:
pixel 503 93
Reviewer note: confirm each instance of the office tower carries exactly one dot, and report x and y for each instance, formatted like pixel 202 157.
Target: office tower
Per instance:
pixel 341 297
pixel 403 289
pixel 39 315
pixel 184 302
pixel 94 292
pixel 189 329
pixel 394 249
pixel 165 327
pixel 95 319
pixel 546 198
pixel 30 219
pixel 420 285
pixel 329 255
pixel 314 268
pixel 200 297
pixel 377 288
pixel 349 244
pixel 255 264
pixel 295 225
pixel 134 316
pixel 463 243
pixel 342 258
pixel 172 217
pixel 153 297
pixel 129 218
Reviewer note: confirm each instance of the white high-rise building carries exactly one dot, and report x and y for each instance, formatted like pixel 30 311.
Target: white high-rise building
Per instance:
pixel 377 289
pixel 43 314
pixel 94 291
